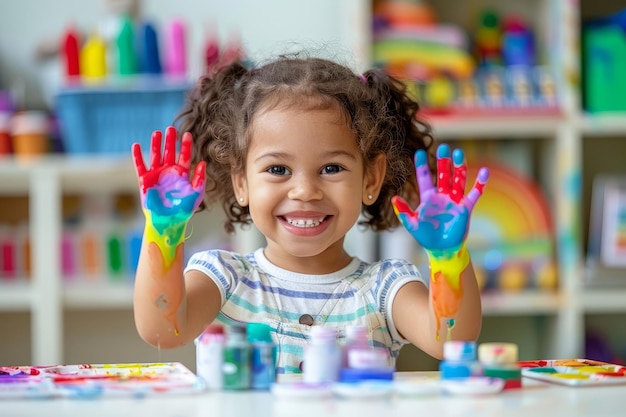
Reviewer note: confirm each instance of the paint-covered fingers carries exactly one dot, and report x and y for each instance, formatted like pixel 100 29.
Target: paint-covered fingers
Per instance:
pixel 406 215
pixel 184 159
pixel 444 170
pixel 459 176
pixel 478 188
pixel 199 177
pixel 155 149
pixel 169 155
pixel 422 173
pixel 140 166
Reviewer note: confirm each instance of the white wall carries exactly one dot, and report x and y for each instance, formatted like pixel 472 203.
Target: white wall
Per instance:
pixel 265 27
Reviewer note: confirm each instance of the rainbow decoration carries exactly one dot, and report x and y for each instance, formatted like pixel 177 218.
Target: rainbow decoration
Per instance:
pixel 512 207
pixel 511 231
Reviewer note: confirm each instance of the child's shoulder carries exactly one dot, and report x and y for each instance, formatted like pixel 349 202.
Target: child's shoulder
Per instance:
pixel 393 266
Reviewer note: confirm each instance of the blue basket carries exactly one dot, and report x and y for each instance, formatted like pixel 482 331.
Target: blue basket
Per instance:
pixel 107 120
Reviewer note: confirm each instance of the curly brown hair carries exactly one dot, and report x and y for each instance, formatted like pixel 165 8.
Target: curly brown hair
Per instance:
pixel 376 106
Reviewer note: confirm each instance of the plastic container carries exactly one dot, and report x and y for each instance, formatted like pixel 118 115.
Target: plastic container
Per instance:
pixel 236 359
pixel 263 356
pixel 210 356
pixel 29 131
pixel 107 120
pixel 322 356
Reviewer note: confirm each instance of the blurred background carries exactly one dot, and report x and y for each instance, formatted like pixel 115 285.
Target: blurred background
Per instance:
pixel 534 90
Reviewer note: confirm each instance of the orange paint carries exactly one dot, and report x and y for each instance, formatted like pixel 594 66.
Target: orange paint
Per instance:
pixel 168 293
pixel 445 285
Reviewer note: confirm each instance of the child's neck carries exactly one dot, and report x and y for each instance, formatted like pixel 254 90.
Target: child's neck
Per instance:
pixel 327 262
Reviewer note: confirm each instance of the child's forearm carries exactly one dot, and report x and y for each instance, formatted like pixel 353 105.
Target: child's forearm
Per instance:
pixel 159 296
pixel 459 303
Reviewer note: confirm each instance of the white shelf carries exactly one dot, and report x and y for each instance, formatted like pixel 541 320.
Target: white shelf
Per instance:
pixel 15 296
pixel 522 303
pixel 98 296
pixel 501 127
pixel 603 124
pixel 604 300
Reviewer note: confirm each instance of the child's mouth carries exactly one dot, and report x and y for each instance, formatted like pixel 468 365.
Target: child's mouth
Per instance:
pixel 305 223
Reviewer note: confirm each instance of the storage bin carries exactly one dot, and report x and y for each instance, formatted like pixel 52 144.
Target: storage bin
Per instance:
pixel 604 64
pixel 107 119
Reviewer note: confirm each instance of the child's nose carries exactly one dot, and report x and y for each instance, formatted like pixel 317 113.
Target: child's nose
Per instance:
pixel 305 189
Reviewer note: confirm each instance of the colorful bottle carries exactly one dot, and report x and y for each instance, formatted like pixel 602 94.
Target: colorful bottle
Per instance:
pixel 263 360
pixel 210 356
pixel 236 359
pixel 125 42
pixel 322 356
pixel 356 338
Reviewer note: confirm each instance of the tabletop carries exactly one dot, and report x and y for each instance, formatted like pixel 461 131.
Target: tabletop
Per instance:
pixel 534 398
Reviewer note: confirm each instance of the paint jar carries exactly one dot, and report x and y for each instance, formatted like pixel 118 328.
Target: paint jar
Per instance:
pixel 459 360
pixel 322 356
pixel 210 356
pixel 30 133
pixel 236 359
pixel 356 338
pixel 263 359
pixel 6 147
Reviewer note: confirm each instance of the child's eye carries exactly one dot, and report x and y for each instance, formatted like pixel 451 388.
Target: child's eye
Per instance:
pixel 331 169
pixel 278 170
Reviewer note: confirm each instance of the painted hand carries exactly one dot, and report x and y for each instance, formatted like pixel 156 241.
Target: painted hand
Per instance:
pixel 441 221
pixel 168 198
pixel 440 224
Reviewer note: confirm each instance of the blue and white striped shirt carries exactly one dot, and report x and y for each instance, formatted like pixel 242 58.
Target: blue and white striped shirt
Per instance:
pixel 255 290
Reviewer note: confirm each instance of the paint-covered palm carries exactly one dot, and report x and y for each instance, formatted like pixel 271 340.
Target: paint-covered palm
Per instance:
pixel 168 197
pixel 441 222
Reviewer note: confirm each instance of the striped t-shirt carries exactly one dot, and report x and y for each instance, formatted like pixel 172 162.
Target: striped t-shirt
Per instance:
pixel 255 290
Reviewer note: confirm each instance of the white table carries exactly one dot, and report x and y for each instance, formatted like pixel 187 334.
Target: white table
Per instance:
pixel 534 399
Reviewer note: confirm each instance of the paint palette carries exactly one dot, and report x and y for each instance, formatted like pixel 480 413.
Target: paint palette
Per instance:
pixel 575 372
pixel 87 381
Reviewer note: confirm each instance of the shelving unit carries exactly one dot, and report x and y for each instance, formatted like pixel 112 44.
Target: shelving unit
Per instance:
pixel 46 296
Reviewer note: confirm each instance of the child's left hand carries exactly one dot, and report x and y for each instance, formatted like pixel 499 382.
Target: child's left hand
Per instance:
pixel 441 222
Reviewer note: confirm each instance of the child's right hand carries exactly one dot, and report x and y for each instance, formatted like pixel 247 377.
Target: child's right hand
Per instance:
pixel 168 198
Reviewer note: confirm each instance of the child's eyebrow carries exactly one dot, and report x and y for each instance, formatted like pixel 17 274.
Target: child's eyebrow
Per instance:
pixel 283 155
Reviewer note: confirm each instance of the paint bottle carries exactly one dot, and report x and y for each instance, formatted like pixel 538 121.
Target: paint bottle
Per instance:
pixel 263 360
pixel 356 338
pixel 125 42
pixel 459 360
pixel 236 359
pixel 71 52
pixel 93 59
pixel 149 59
pixel 322 356
pixel 6 147
pixel 210 356
pixel 176 50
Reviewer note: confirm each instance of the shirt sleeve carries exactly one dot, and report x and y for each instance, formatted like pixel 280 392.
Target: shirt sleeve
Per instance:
pixel 223 267
pixel 393 275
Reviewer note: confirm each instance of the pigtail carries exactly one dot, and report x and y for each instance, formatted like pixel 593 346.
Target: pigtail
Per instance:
pixel 402 132
pixel 211 116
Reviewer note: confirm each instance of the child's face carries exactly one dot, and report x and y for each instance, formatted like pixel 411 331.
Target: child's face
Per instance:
pixel 304 184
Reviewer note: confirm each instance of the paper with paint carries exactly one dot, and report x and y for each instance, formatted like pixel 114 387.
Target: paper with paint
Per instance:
pixel 574 372
pixel 99 380
pixel 440 224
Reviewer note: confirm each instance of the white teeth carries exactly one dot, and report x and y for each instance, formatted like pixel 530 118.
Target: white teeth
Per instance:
pixel 305 222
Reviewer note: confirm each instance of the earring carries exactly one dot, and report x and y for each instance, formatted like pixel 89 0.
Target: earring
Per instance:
pixel 241 199
pixel 369 196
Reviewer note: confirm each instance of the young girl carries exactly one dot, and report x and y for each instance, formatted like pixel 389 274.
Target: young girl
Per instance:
pixel 304 147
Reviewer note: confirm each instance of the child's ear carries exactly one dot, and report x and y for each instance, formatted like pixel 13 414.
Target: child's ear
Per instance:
pixel 374 178
pixel 240 186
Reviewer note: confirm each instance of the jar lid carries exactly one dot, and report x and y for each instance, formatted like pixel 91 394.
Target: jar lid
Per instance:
pixel 5 121
pixel 28 122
